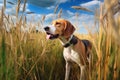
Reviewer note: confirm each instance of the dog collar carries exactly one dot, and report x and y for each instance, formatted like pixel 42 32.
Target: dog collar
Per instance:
pixel 71 41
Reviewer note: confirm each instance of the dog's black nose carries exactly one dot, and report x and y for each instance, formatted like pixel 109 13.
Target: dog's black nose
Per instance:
pixel 46 28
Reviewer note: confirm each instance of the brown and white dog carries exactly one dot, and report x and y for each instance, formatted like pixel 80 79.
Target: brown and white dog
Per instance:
pixel 75 50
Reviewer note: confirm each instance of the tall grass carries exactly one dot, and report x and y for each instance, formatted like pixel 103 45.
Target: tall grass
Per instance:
pixel 29 56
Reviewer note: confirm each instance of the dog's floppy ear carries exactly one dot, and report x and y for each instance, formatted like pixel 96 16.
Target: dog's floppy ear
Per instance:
pixel 69 29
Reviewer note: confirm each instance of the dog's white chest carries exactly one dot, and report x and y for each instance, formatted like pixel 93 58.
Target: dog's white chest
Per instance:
pixel 71 55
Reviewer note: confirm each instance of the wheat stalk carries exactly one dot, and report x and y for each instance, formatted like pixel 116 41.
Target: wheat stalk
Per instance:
pixel 24 6
pixel 60 13
pixel 81 8
pixel 1 17
pixel 18 8
pixel 43 18
pixel 56 9
pixel 4 4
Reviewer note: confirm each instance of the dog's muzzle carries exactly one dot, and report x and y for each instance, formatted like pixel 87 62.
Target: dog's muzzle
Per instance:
pixel 49 34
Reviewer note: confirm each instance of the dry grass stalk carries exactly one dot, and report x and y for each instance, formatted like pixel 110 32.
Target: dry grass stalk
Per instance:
pixel 111 21
pixel 99 53
pixel 12 22
pixel 24 6
pixel 24 21
pixel 60 13
pixel 81 8
pixel 30 12
pixel 10 3
pixel 18 8
pixel 56 9
pixel 110 29
pixel 4 4
pixel 77 21
pixel 43 52
pixel 115 76
pixel 108 47
pixel 43 18
pixel 114 6
pixel 1 17
pixel 7 18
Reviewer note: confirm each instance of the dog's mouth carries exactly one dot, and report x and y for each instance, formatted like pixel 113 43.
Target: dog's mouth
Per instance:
pixel 51 36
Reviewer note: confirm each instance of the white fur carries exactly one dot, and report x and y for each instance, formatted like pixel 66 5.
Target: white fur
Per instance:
pixel 52 29
pixel 71 55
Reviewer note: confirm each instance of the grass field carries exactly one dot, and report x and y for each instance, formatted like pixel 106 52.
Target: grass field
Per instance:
pixel 29 56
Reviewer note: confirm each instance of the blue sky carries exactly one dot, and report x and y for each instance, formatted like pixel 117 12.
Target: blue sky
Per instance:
pixel 46 7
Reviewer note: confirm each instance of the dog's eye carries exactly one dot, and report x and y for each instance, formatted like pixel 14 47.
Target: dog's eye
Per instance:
pixel 57 23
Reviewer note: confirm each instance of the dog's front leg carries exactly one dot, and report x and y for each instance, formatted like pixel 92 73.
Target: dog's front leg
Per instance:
pixel 83 73
pixel 68 65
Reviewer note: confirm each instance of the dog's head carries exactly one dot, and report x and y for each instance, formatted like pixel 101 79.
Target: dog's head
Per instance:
pixel 59 27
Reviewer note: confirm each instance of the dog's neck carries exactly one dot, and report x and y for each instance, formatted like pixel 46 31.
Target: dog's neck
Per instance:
pixel 66 42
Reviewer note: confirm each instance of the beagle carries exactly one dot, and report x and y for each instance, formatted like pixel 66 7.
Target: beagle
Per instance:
pixel 75 50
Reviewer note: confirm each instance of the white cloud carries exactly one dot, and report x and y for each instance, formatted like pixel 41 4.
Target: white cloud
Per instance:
pixel 10 10
pixel 33 17
pixel 62 1
pixel 50 16
pixel 90 3
pixel 83 18
pixel 51 7
pixel 70 13
pixel 27 10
